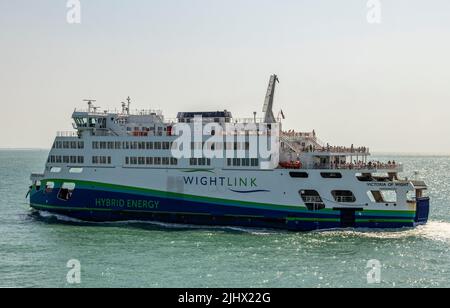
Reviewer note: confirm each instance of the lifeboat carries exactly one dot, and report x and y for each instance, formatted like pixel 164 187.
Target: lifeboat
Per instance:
pixel 291 164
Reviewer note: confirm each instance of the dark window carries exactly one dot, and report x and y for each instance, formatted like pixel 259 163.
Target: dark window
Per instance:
pixel 345 196
pixel 66 191
pixel 331 175
pixel 312 200
pixel 300 175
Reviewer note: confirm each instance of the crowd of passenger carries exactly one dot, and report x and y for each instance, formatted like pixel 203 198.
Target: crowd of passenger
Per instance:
pixel 358 165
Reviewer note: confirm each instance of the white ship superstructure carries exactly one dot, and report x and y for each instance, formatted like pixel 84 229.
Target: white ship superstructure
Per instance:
pixel 122 165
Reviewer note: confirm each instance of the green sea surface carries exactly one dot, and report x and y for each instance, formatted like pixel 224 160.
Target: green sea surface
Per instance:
pixel 35 247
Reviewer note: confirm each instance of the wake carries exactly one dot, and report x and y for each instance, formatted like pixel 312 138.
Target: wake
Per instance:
pixel 433 230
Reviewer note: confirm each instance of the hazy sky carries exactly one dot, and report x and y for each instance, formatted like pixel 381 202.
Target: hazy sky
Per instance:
pixel 384 85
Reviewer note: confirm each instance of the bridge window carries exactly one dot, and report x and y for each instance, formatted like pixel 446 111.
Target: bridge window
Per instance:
pixel 312 200
pixel 344 196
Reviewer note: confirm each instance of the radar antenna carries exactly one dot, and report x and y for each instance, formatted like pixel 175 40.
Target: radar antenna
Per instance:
pixel 90 103
pixel 268 103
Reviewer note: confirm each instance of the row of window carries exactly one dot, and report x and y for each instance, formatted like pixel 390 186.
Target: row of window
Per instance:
pixel 154 161
pixel 200 161
pixel 167 145
pixel 126 145
pixel 244 162
pixel 106 160
pixel 68 145
pixel 221 145
pixel 325 175
pixel 66 159
pixel 101 160
pixel 314 201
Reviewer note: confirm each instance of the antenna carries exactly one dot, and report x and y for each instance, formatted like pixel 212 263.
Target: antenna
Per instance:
pixel 129 103
pixel 90 103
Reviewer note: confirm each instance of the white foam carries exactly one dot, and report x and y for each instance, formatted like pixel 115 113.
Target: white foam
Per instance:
pixel 434 230
pixel 45 214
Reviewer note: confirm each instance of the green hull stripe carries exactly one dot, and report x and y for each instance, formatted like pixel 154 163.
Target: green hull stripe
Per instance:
pixel 61 208
pixel 384 220
pixel 166 194
pixel 314 219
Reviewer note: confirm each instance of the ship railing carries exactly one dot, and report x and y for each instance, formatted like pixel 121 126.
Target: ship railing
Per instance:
pixel 366 166
pixel 312 199
pixel 67 134
pixel 300 136
pixel 345 199
pixel 135 112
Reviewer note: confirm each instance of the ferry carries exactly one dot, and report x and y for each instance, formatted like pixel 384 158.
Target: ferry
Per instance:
pixel 209 168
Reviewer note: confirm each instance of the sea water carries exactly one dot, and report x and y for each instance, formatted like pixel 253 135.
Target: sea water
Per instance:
pixel 36 248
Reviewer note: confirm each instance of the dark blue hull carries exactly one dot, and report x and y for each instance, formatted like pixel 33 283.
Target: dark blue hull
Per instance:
pixel 107 204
